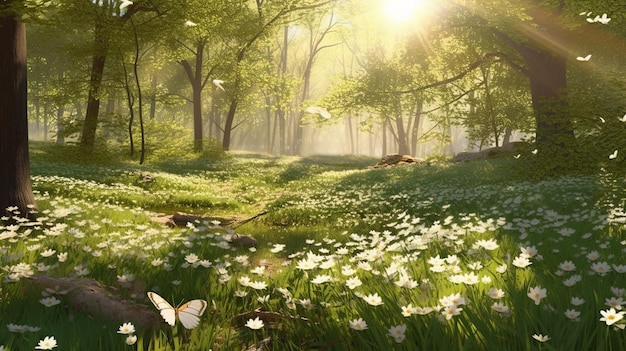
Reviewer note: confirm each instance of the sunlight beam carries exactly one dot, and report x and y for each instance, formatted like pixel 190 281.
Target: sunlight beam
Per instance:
pixel 402 10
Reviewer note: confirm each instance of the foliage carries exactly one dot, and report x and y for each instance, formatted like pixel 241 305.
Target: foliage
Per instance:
pixel 422 240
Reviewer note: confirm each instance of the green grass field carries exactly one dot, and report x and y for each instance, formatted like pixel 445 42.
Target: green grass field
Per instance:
pixel 469 256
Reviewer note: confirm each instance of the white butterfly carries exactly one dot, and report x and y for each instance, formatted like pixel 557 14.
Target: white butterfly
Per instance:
pixel 188 313
pixel 623 119
pixel 613 155
pixel 586 58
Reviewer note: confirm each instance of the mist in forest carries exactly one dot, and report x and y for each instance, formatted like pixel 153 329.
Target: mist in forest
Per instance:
pixel 338 78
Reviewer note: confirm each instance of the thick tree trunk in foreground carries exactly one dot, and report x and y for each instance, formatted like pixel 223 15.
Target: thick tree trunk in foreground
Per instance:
pixel 548 81
pixel 15 187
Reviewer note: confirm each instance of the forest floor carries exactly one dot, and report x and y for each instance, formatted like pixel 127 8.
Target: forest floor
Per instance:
pixel 471 256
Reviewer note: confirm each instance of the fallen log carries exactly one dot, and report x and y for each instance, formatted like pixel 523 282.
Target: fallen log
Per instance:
pixel 91 297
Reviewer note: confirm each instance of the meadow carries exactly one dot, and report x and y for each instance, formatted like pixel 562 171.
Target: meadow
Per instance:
pixel 441 256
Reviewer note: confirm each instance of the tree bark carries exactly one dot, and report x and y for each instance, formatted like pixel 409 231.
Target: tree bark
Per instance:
pixel 195 78
pixel 60 139
pixel 15 186
pixel 88 137
pixel 228 127
pixel 548 81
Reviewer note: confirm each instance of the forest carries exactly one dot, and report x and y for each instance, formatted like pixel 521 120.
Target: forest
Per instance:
pixel 312 175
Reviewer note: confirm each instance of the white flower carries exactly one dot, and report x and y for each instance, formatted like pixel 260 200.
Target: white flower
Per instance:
pixel 191 258
pixel 489 245
pixel 571 281
pixel 321 279
pixel 373 300
pixel 521 262
pixel 306 264
pixel 611 316
pixel 500 308
pixel 50 301
pixel 48 253
pixel 258 285
pixel 602 268
pixel 48 343
pixel 259 270
pixel 277 248
pixel 593 255
pixel 358 324
pixel 536 294
pixel 245 281
pixel 255 323
pixel 541 338
pixel 567 266
pixel 495 293
pixel 353 282
pixel 452 310
pixel 131 339
pixel 572 314
pixel 398 332
pixel 126 328
pixel 408 310
pixel 577 301
pixel 502 268
pixel 452 300
pixel 615 302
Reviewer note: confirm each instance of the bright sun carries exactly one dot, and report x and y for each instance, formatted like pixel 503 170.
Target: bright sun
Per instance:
pixel 402 10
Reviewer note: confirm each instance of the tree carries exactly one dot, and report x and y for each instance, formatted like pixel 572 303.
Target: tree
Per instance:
pixel 107 18
pixel 15 186
pixel 536 38
pixel 270 16
pixel 318 28
pixel 499 105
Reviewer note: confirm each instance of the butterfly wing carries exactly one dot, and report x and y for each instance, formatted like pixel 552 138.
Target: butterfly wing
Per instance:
pixel 189 313
pixel 167 311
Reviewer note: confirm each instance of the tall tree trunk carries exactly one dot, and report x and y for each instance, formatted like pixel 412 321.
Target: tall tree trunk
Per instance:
pixel 507 136
pixel 348 128
pixel 93 101
pixel 195 78
pixel 548 81
pixel 384 141
pixel 268 124
pixel 416 127
pixel 131 110
pixel 153 96
pixel 60 140
pixel 228 126
pixel 403 146
pixel 46 112
pixel 15 186
pixel 37 116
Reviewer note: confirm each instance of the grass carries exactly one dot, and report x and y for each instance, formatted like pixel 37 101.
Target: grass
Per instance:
pixel 437 257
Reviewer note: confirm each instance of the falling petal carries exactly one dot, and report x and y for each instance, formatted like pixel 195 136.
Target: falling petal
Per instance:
pixel 218 84
pixel 125 4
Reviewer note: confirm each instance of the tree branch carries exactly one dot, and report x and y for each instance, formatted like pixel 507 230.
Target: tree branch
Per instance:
pixel 459 76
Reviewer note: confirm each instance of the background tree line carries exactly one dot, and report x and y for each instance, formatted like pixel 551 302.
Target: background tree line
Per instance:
pixel 262 74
